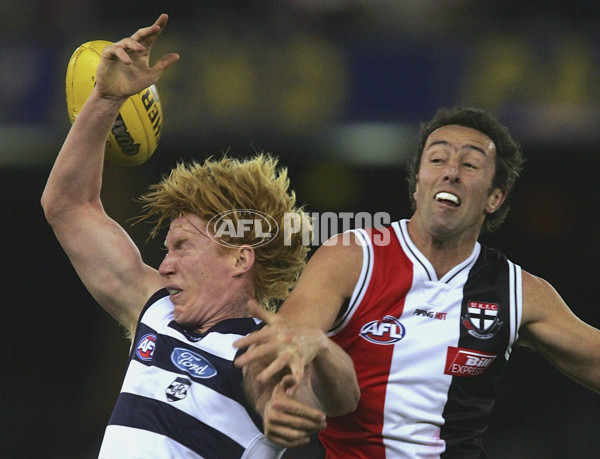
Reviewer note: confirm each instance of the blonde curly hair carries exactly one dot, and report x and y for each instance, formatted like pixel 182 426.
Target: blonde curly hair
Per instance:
pixel 234 187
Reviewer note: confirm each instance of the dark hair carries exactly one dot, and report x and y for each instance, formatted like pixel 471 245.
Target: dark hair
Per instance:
pixel 509 158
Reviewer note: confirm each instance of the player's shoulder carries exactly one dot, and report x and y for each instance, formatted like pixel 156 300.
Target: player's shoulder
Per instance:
pixel 336 263
pixel 364 236
pixel 539 297
pixel 534 286
pixel 343 247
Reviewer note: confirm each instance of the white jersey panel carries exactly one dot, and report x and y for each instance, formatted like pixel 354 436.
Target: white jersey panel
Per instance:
pixel 431 314
pixel 203 403
pixel 129 443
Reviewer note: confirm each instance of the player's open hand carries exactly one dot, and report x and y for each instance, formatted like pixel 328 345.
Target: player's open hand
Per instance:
pixel 287 346
pixel 125 69
pixel 288 421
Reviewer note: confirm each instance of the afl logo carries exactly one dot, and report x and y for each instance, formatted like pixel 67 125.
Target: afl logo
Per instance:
pixel 146 346
pixel 389 330
pixel 233 228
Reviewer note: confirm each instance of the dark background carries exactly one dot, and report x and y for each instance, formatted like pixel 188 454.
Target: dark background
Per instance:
pixel 336 89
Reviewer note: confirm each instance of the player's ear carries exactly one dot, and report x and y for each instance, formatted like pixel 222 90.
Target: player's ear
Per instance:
pixel 243 259
pixel 416 186
pixel 495 200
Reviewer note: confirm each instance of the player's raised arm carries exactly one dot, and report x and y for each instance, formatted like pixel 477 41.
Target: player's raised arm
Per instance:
pixel 103 255
pixel 295 339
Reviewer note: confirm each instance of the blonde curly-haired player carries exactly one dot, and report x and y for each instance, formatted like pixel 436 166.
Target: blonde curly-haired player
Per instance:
pixel 182 396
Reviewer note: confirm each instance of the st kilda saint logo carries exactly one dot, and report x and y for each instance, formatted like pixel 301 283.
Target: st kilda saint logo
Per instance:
pixel 481 319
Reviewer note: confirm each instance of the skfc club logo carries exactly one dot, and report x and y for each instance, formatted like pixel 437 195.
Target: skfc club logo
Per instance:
pixel 388 330
pixel 193 364
pixel 481 319
pixel 146 346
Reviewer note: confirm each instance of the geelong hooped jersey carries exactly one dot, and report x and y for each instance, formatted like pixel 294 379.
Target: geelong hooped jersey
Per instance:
pixel 182 396
pixel 427 351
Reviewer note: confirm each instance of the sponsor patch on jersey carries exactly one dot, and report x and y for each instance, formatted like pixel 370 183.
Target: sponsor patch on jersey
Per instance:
pixel 178 389
pixel 467 363
pixel 481 319
pixel 388 330
pixel 145 347
pixel 193 364
pixel 430 314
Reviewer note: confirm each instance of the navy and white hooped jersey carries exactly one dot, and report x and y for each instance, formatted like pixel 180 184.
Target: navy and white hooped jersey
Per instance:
pixel 427 351
pixel 182 396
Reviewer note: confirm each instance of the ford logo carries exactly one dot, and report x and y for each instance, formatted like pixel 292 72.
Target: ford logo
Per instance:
pixel 192 363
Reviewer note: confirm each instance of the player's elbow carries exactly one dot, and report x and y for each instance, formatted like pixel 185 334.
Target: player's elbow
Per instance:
pixel 352 399
pixel 346 401
pixel 59 209
pixel 54 209
pixel 49 207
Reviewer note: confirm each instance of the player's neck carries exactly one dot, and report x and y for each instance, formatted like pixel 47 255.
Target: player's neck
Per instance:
pixel 443 252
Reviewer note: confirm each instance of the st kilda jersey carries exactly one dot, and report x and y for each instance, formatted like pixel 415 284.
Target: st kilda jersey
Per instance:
pixel 427 351
pixel 182 396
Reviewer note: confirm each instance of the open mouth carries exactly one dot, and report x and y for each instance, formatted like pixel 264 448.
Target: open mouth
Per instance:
pixel 449 198
pixel 173 291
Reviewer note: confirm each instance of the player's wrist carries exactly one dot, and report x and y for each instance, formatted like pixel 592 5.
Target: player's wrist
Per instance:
pixel 322 350
pixel 107 97
pixel 105 103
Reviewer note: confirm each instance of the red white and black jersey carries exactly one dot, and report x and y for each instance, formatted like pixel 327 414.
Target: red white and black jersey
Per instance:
pixel 427 351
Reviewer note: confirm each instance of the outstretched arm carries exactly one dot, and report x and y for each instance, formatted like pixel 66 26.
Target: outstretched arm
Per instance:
pixel 103 255
pixel 322 374
pixel 558 334
pixel 294 341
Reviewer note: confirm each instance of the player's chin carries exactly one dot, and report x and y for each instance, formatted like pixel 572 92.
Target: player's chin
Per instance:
pixel 180 316
pixel 184 319
pixel 442 224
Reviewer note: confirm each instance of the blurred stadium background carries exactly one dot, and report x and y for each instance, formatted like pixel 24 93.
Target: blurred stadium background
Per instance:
pixel 335 88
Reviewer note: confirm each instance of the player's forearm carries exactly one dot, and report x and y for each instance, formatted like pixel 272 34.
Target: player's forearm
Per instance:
pixel 577 355
pixel 76 176
pixel 333 380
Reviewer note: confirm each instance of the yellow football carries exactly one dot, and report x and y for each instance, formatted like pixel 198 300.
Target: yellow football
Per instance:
pixel 135 134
